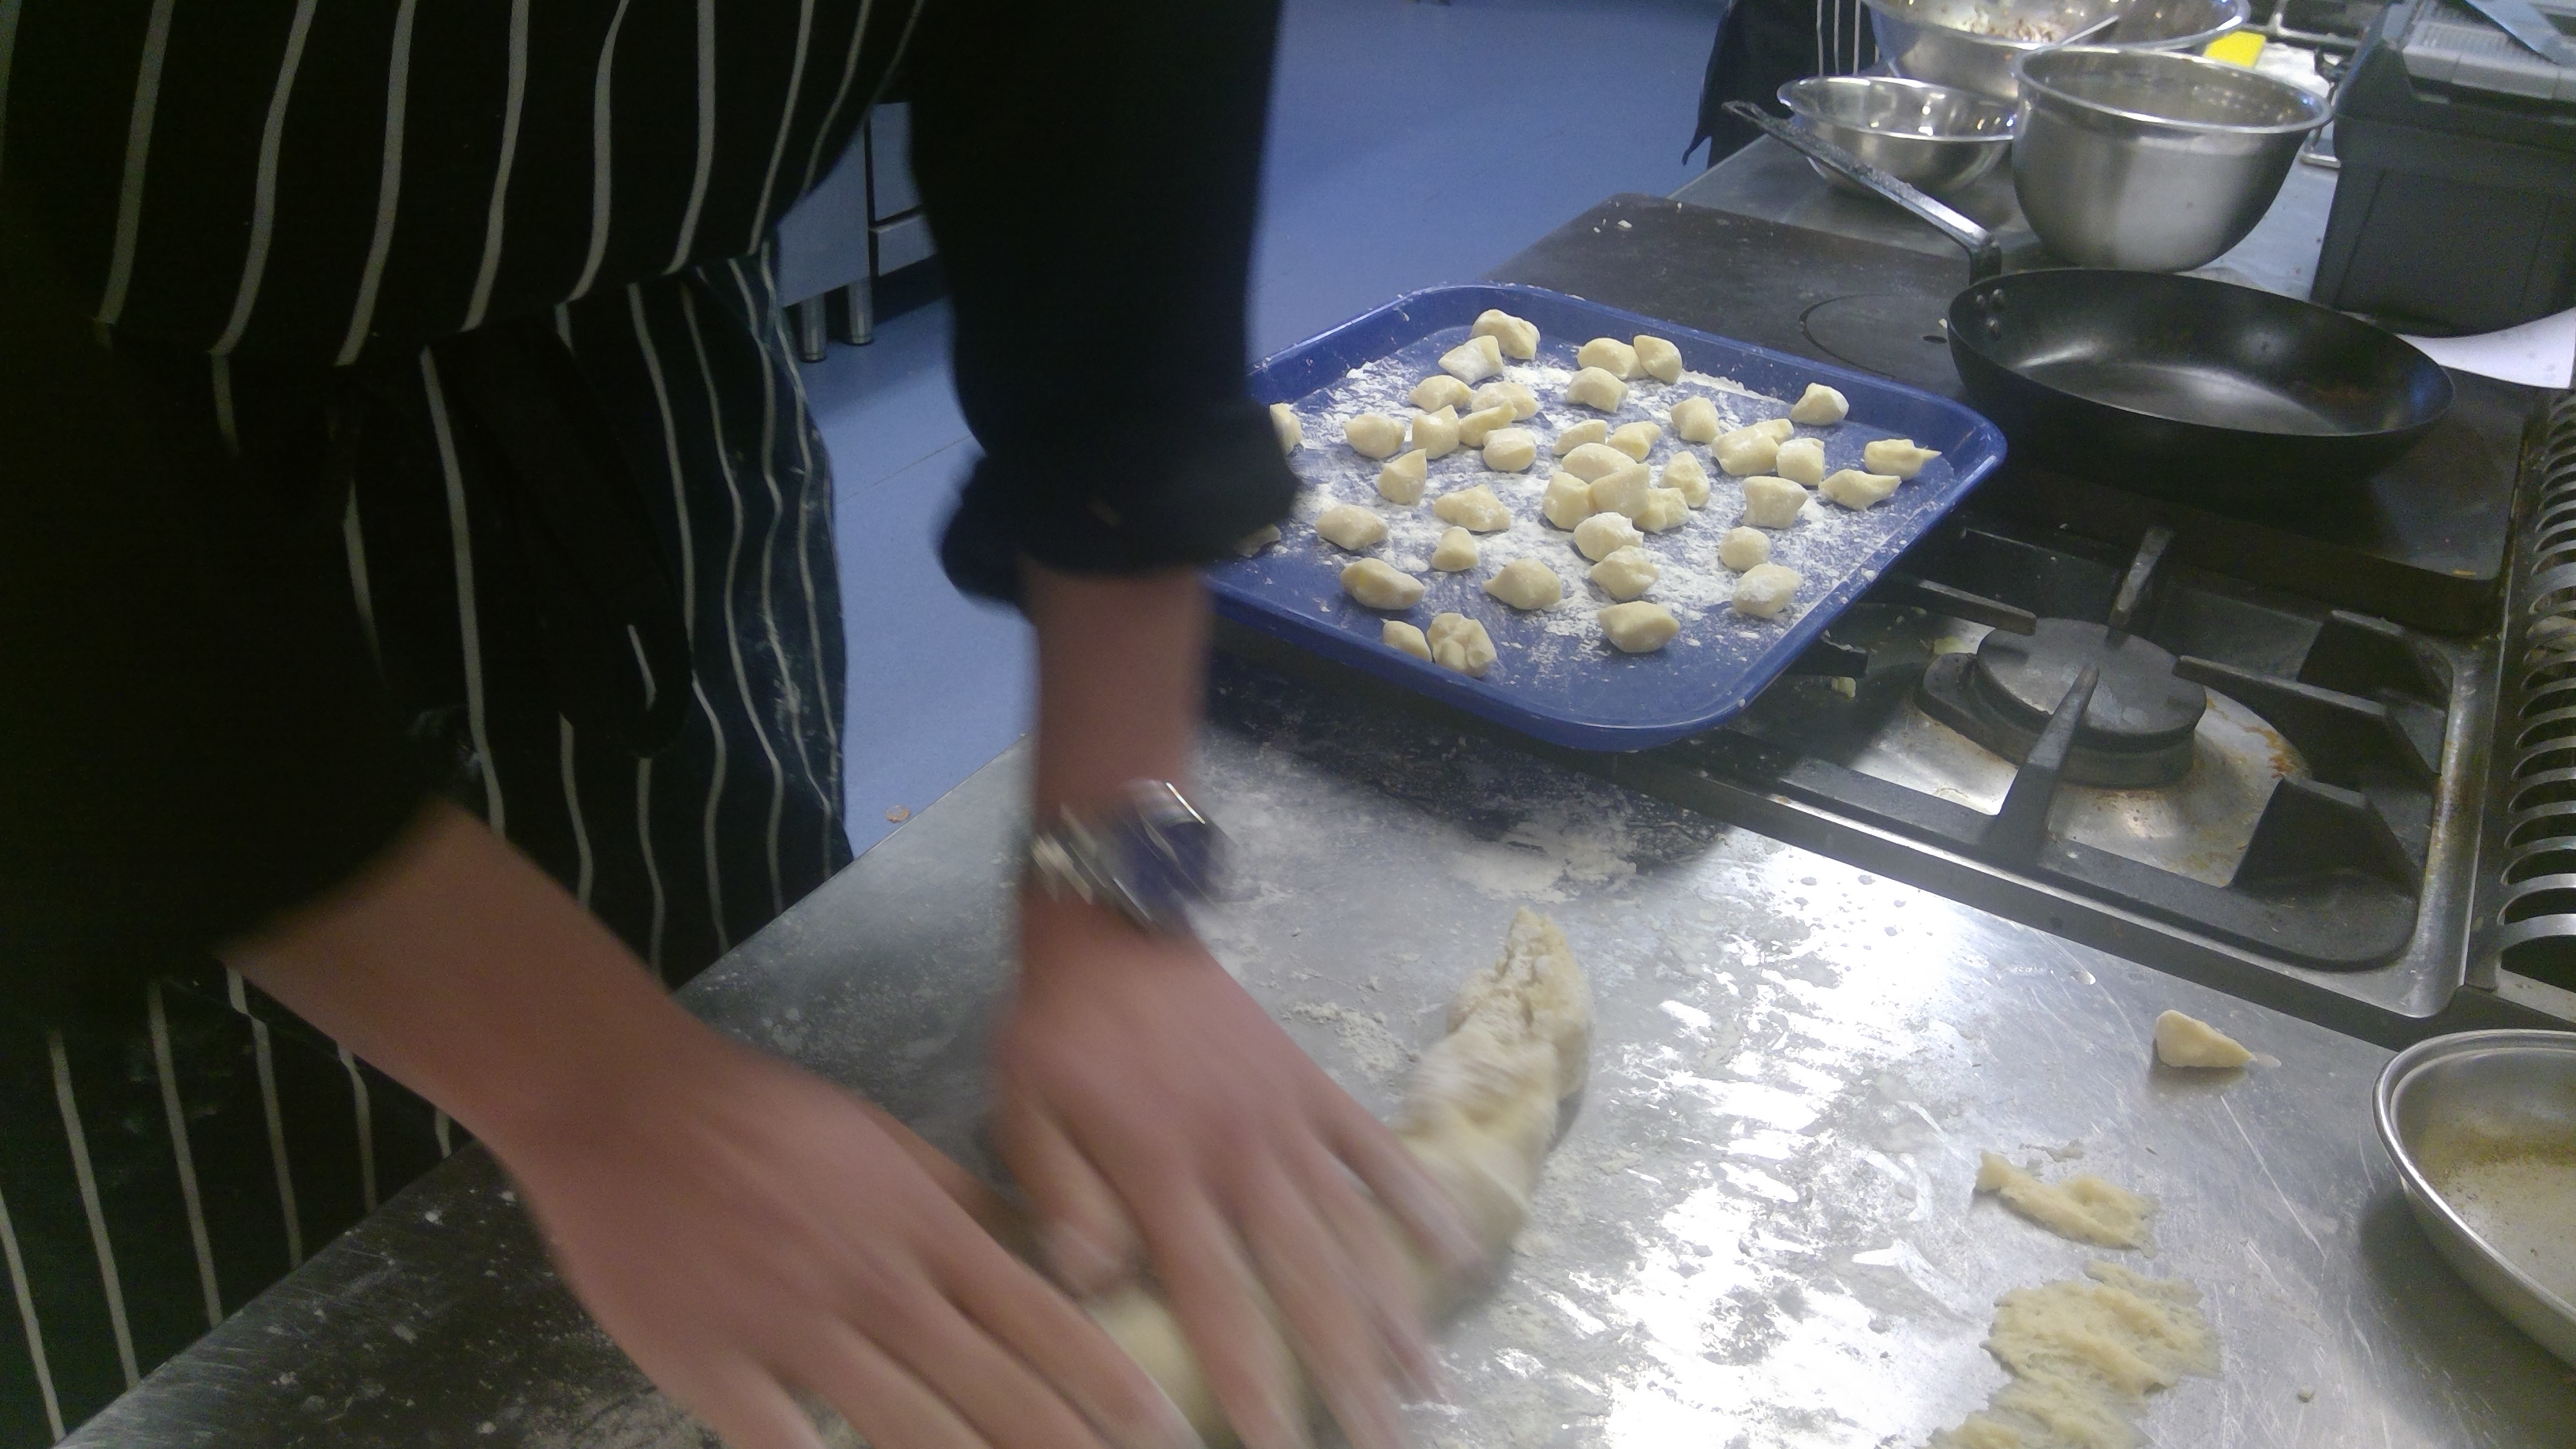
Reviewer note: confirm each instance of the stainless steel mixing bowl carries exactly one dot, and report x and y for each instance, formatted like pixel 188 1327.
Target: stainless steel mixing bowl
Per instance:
pixel 1929 136
pixel 1971 44
pixel 2149 160
pixel 2501 1105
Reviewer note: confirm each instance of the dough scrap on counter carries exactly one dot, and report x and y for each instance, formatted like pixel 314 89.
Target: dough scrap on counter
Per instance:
pixel 1819 405
pixel 1695 420
pixel 1525 583
pixel 2188 1041
pixel 1603 534
pixel 1461 644
pixel 1509 450
pixel 1590 430
pixel 1596 389
pixel 1741 549
pixel 1480 1110
pixel 1517 336
pixel 1665 510
pixel 1624 491
pixel 1626 574
pixel 1374 435
pixel 1765 589
pixel 1400 635
pixel 1347 525
pixel 1636 439
pixel 1657 358
pixel 1856 490
pixel 1896 455
pixel 1283 421
pixel 1772 502
pixel 2084 1208
pixel 1257 540
pixel 1522 401
pixel 1400 481
pixel 1436 432
pixel 1475 509
pixel 1381 585
pixel 1567 502
pixel 1473 360
pixel 1745 452
pixel 1609 354
pixel 1455 553
pixel 1801 460
pixel 1437 391
pixel 2084 1353
pixel 1588 461
pixel 1481 424
pixel 1685 476
pixel 1639 628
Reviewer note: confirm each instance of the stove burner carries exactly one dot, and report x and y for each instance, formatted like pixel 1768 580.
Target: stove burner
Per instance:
pixel 2136 731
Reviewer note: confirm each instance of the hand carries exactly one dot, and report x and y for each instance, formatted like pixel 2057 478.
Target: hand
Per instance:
pixel 746 1230
pixel 1140 1085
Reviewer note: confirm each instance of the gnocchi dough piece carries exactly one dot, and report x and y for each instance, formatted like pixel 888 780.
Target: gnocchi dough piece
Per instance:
pixel 2085 1207
pixel 1695 420
pixel 1657 358
pixel 1639 628
pixel 1664 511
pixel 1772 502
pixel 1594 460
pixel 1509 450
pixel 1381 585
pixel 1257 540
pixel 1596 389
pixel 1604 534
pixel 1400 635
pixel 1475 509
pixel 1517 336
pixel 1437 391
pixel 1778 430
pixel 1609 354
pixel 1525 583
pixel 1461 643
pixel 1436 433
pixel 1626 573
pixel 1456 553
pixel 1685 476
pixel 1475 427
pixel 1819 406
pixel 1765 589
pixel 1623 492
pixel 1746 451
pixel 1592 430
pixel 2188 1041
pixel 1400 481
pixel 1636 439
pixel 1568 501
pixel 1374 435
pixel 1856 490
pixel 1522 401
pixel 1347 525
pixel 1801 460
pixel 1896 456
pixel 1742 548
pixel 1473 360
pixel 1283 421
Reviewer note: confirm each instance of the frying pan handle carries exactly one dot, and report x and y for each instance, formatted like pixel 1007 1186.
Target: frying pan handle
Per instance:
pixel 1985 259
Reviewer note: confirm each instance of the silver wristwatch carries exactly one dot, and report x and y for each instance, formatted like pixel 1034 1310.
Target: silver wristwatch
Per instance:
pixel 1149 858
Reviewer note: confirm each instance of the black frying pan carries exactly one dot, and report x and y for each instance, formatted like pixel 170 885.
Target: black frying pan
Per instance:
pixel 2180 386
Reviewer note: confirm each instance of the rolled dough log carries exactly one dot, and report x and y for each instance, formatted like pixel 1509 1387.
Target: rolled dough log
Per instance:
pixel 1479 1113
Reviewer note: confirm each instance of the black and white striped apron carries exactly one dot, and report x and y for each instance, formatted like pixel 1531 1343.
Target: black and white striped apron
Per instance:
pixel 294 208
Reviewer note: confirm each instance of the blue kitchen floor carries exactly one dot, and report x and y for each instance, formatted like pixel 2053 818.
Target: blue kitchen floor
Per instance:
pixel 1410 144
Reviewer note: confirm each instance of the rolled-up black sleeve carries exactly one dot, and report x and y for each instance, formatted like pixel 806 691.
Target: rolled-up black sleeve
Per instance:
pixel 1091 172
pixel 192 736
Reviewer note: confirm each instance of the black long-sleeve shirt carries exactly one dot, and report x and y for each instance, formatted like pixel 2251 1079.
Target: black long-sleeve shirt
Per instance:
pixel 192 732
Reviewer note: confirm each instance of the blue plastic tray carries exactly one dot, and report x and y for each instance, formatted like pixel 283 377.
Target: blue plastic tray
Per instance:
pixel 1555 678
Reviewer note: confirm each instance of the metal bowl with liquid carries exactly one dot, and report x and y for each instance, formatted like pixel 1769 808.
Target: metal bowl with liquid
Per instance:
pixel 1971 44
pixel 1934 137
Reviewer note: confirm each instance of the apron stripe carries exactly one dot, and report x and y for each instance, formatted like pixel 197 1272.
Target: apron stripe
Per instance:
pixel 832 113
pixel 138 150
pixel 572 808
pixel 263 199
pixel 388 185
pixel 90 1205
pixel 706 135
pixel 264 1057
pixel 177 1117
pixel 364 1108
pixel 602 117
pixel 27 1320
pixel 494 219
pixel 786 119
pixel 468 620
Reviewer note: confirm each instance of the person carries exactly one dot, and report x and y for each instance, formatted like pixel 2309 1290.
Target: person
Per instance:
pixel 1763 45
pixel 423 648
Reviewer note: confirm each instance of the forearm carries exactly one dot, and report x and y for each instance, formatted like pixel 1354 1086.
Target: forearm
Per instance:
pixel 457 967
pixel 1122 662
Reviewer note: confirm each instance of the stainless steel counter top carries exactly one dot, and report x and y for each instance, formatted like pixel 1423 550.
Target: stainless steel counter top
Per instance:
pixel 1759 1229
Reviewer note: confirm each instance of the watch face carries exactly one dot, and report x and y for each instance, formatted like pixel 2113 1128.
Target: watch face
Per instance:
pixel 1167 866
